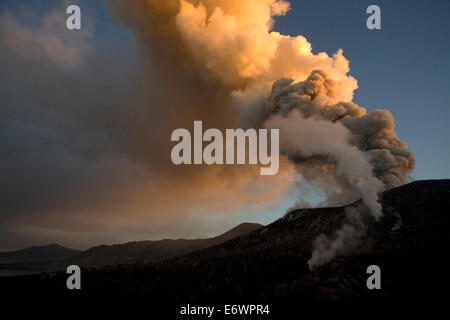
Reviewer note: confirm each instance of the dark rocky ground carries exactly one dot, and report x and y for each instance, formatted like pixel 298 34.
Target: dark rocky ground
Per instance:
pixel 269 265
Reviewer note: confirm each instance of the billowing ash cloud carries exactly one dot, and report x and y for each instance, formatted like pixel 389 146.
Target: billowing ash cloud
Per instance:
pixel 361 150
pixel 276 81
pixel 102 137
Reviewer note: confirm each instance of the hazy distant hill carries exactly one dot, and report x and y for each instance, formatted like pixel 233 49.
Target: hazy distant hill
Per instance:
pixel 410 244
pixel 51 252
pixel 152 251
pixel 54 257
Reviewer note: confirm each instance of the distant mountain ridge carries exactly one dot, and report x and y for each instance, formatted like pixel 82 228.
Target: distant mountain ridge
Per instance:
pixel 51 252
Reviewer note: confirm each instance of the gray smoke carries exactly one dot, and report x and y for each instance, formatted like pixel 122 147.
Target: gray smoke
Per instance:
pixel 337 142
pixel 372 134
pixel 345 240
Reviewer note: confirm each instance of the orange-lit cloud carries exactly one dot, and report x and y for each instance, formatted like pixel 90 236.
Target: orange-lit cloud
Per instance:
pixel 95 164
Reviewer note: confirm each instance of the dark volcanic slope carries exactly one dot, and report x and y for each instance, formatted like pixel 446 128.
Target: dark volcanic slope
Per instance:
pixel 270 264
pixel 51 252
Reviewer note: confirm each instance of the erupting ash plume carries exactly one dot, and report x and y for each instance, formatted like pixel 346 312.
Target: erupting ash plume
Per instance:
pixel 322 136
pixel 275 81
